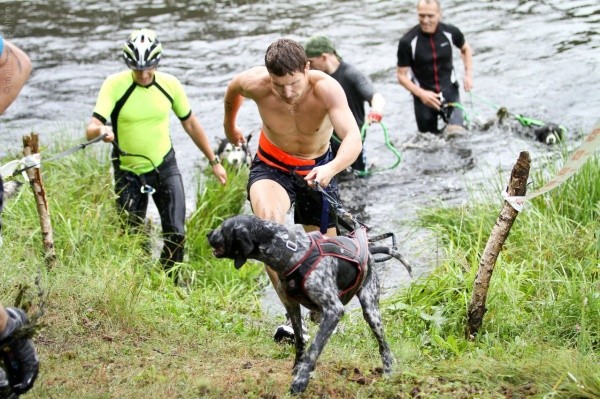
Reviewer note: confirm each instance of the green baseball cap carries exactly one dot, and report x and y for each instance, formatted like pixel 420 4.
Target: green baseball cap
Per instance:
pixel 317 45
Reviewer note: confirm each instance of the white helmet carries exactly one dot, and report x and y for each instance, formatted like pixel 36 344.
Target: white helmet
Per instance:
pixel 142 50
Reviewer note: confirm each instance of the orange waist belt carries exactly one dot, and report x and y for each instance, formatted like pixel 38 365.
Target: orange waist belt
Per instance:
pixel 275 157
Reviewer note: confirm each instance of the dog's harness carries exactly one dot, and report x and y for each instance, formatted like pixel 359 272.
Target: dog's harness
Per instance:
pixel 353 248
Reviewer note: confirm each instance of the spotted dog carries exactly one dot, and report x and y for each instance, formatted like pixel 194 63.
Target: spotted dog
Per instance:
pixel 236 156
pixel 315 271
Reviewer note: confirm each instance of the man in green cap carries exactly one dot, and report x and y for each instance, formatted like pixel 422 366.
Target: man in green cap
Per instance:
pixel 359 89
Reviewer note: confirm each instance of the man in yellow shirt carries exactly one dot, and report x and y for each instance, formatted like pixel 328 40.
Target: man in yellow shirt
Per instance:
pixel 138 103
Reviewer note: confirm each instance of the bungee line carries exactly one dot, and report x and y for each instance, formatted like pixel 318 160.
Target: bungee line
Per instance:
pixel 388 143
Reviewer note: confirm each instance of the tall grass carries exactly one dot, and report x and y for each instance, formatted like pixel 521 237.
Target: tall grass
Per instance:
pixel 545 290
pixel 117 326
pixel 107 270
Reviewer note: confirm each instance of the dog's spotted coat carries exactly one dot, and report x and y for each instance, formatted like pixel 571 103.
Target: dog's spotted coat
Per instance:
pixel 246 237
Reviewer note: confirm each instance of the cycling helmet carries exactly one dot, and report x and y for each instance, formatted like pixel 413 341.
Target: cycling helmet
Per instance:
pixel 142 50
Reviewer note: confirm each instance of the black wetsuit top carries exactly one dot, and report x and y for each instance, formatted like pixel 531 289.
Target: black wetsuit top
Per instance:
pixel 358 88
pixel 430 56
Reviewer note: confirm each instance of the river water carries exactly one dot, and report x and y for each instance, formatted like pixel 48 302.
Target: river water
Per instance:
pixel 538 58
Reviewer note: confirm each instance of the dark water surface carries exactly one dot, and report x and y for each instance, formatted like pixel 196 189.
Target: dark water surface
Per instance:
pixel 538 58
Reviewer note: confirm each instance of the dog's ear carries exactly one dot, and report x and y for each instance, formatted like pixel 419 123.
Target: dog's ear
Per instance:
pixel 245 246
pixel 239 261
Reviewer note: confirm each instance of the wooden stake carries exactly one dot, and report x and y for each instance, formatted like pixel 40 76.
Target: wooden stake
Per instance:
pixel 30 147
pixel 516 187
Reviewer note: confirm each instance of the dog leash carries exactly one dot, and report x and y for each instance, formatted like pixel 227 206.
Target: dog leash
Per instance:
pixel 388 144
pixel 34 161
pixel 145 187
pixel 347 219
pixel 523 120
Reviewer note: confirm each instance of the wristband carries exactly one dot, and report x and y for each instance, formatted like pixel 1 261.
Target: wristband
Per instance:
pixel 215 161
pixel 375 116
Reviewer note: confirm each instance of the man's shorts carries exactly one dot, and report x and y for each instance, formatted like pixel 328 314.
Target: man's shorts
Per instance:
pixel 310 206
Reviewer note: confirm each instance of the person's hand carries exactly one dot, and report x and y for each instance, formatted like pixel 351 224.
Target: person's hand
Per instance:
pixel 235 136
pixel 374 116
pixel 468 83
pixel 220 173
pixel 18 354
pixel 108 131
pixel 431 99
pixel 320 175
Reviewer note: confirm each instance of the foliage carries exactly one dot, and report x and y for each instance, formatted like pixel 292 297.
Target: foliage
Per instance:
pixel 115 325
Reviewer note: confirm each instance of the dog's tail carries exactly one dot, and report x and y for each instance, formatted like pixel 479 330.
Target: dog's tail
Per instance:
pixel 380 249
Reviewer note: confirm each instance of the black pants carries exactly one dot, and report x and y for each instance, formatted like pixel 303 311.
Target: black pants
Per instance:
pixel 427 118
pixel 169 197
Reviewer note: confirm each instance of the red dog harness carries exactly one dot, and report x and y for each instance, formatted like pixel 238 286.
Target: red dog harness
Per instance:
pixel 352 248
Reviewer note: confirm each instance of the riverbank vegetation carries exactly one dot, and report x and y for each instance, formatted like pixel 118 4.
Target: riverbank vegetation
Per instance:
pixel 116 327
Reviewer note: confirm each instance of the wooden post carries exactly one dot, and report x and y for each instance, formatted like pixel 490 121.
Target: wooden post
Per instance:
pixel 30 147
pixel 516 187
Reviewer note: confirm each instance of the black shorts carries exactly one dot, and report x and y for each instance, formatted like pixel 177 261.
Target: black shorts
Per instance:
pixel 309 206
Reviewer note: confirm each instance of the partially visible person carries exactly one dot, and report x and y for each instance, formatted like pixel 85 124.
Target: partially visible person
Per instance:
pixel 15 68
pixel 425 68
pixel 322 55
pixel 299 108
pixel 21 364
pixel 137 102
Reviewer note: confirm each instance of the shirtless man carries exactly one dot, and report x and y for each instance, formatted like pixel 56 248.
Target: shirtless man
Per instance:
pixel 299 109
pixel 15 67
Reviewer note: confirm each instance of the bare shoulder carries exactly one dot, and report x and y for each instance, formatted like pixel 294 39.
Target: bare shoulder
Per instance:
pixel 254 82
pixel 325 87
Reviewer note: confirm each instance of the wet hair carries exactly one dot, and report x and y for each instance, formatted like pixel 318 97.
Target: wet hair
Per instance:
pixel 285 57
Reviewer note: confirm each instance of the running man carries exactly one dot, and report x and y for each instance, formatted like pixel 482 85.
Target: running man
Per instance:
pixel 299 109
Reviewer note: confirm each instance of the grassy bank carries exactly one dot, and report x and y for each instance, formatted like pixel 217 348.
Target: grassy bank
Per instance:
pixel 116 327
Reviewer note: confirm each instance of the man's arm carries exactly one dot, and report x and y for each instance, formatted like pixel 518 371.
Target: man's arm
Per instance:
pixel 345 127
pixel 196 132
pixel 15 68
pixel 466 53
pixel 428 98
pixel 234 98
pixel 95 128
pixel 377 107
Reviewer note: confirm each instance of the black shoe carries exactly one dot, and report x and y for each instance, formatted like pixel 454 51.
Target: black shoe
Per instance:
pixel 285 333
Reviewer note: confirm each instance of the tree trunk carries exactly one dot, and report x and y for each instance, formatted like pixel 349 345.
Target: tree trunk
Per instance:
pixel 516 187
pixel 30 147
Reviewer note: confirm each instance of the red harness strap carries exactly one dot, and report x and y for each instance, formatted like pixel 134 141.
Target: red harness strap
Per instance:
pixel 349 248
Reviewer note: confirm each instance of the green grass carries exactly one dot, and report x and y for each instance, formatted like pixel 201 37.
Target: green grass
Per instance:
pixel 116 327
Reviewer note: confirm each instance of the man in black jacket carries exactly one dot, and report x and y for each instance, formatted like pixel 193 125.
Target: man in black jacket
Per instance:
pixel 425 68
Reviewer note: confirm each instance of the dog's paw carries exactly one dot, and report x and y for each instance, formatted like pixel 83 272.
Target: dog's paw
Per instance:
pixel 299 385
